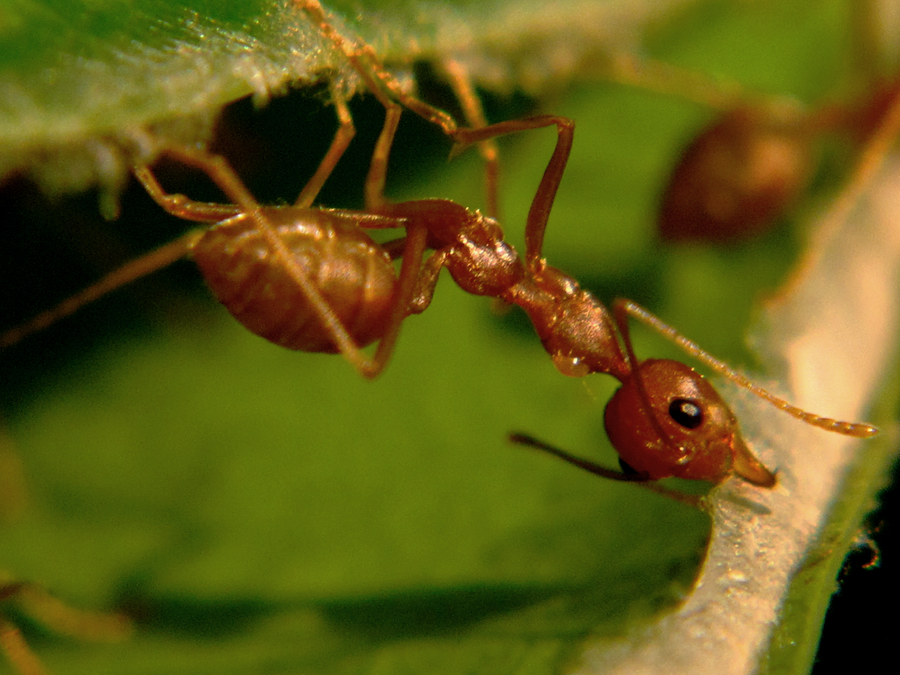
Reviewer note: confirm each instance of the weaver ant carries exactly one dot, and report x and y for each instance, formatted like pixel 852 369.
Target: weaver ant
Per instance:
pixel 311 279
pixel 752 162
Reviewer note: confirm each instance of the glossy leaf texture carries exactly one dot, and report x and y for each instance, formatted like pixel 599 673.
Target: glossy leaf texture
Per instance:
pixel 261 510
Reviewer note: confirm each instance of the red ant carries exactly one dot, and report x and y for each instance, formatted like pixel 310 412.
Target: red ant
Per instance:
pixel 312 279
pixel 747 166
pixel 662 405
pixel 752 162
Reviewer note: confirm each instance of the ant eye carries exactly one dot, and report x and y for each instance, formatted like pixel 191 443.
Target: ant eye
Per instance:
pixel 686 412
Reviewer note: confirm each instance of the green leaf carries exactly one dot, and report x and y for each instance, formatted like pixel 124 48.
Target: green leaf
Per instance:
pixel 260 510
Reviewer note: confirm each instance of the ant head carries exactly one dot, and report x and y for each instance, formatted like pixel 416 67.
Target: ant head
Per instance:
pixel 678 425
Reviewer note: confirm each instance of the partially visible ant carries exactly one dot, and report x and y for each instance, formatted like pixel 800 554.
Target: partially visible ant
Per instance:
pixel 743 170
pixel 746 167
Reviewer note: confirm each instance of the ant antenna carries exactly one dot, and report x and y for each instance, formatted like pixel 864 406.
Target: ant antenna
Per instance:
pixel 621 318
pixel 853 429
pixel 140 267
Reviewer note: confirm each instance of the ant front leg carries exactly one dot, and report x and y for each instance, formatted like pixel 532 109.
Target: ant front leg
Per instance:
pixel 611 474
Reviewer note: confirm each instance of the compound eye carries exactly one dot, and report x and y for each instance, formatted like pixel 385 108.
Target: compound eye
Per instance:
pixel 686 412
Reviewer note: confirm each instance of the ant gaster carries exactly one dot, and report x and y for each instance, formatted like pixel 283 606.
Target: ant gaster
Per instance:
pixel 742 172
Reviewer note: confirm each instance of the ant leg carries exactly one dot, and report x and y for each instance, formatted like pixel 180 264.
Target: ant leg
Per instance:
pixel 602 471
pixel 179 205
pixel 14 495
pixel 56 616
pixel 345 133
pixel 416 240
pixel 462 87
pixel 131 271
pixel 671 81
pixel 374 187
pixel 366 63
pixel 539 212
pixel 65 620
pixel 627 307
pixel 17 650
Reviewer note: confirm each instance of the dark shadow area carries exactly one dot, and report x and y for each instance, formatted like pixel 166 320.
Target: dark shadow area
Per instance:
pixel 393 616
pixel 429 611
pixel 859 629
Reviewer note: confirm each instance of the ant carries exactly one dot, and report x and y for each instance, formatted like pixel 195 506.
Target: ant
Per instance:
pixel 752 162
pixel 312 279
pixel 662 405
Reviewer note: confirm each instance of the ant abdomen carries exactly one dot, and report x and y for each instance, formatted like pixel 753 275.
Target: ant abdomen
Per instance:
pixel 737 176
pixel 678 426
pixel 351 273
